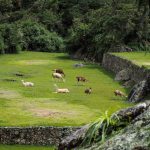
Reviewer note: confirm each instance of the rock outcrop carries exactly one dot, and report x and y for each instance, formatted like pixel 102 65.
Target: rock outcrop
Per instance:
pixel 73 140
pixel 135 133
pixel 129 84
pixel 34 135
pixel 136 136
pixel 139 91
pixel 123 75
pixel 116 64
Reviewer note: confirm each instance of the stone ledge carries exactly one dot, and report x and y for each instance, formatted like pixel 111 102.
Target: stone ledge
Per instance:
pixel 34 135
pixel 115 64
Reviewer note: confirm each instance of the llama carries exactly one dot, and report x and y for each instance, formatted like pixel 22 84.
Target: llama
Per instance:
pixel 57 76
pixel 27 84
pixel 63 90
pixel 60 71
pixel 119 93
pixel 82 79
pixel 88 91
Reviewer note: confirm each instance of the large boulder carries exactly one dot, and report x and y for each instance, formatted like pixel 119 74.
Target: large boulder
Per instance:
pixel 123 75
pixel 148 84
pixel 136 136
pixel 129 84
pixel 73 140
pixel 123 116
pixel 139 91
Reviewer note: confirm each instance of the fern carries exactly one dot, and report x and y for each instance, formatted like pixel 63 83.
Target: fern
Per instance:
pixel 93 133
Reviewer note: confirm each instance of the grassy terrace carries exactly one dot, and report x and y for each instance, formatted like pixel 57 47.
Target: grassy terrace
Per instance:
pixel 24 147
pixel 39 105
pixel 139 58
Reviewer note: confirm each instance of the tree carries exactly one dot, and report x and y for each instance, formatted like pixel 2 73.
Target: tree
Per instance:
pixel 144 5
pixel 18 3
pixel 6 6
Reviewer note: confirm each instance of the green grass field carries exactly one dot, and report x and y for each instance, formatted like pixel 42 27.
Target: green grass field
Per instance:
pixel 39 105
pixel 24 147
pixel 139 58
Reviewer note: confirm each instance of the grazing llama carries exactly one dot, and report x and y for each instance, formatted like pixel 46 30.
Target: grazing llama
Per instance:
pixel 82 79
pixel 60 71
pixel 63 90
pixel 57 76
pixel 119 93
pixel 27 84
pixel 88 91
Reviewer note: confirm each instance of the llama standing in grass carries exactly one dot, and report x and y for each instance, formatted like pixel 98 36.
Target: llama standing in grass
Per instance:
pixel 81 79
pixel 60 71
pixel 27 84
pixel 119 93
pixel 88 91
pixel 62 90
pixel 57 76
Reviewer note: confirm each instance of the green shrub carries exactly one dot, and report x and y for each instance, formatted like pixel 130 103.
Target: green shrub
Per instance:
pixel 47 43
pixel 39 5
pixel 37 38
pixel 47 13
pixel 51 21
pixel 2 45
pixel 10 39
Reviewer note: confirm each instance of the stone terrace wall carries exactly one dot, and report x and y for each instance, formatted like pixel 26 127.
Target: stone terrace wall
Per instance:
pixel 115 64
pixel 34 135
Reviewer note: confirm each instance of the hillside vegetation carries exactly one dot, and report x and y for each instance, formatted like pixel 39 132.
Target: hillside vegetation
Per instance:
pixel 90 27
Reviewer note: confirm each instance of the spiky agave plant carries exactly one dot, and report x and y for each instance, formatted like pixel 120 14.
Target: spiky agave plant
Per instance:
pixel 98 130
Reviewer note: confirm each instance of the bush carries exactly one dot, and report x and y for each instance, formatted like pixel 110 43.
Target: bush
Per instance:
pixel 2 45
pixel 37 38
pixel 51 21
pixel 10 39
pixel 47 13
pixel 47 43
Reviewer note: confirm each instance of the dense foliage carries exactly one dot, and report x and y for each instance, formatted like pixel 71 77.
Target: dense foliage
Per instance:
pixel 89 27
pixel 10 39
pixel 37 38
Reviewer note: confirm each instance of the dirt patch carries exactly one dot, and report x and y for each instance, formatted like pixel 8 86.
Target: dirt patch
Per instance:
pixel 49 113
pixel 8 94
pixel 34 62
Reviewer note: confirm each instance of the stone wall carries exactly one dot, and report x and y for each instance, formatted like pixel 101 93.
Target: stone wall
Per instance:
pixel 34 135
pixel 115 64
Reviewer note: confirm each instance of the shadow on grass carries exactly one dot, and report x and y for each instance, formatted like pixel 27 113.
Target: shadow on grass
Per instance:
pixel 78 85
pixel 118 99
pixel 66 57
